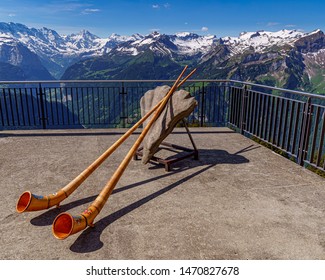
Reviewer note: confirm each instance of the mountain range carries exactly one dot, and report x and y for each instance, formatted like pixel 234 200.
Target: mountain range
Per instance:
pixel 286 58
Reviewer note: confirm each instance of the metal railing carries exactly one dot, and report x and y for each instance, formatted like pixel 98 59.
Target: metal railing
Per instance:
pixel 77 104
pixel 290 121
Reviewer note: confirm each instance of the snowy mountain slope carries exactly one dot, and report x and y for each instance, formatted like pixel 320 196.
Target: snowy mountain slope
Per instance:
pixel 14 53
pixel 55 51
pixel 289 59
pixel 241 57
pixel 190 43
pixel 183 43
pixel 200 48
pixel 262 40
pixel 46 42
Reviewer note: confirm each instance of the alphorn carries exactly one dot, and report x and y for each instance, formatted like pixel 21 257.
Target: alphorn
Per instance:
pixel 65 224
pixel 31 202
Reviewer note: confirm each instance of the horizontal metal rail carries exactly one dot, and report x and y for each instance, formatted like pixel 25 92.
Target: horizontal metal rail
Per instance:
pixel 296 92
pixel 206 81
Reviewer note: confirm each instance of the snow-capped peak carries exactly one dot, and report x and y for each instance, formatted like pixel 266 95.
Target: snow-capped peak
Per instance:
pixel 260 40
pixel 119 38
pixel 155 34
pixel 190 43
pixel 314 32
pixel 183 34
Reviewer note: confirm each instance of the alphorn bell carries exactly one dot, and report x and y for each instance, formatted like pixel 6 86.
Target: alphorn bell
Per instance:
pixel 65 224
pixel 31 202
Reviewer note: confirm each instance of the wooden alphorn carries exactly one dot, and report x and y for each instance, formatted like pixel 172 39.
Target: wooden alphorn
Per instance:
pixel 65 224
pixel 31 202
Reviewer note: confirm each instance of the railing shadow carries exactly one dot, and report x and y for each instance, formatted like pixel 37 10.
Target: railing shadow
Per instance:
pixel 47 217
pixel 207 157
pixel 89 239
pixel 53 133
pixel 89 132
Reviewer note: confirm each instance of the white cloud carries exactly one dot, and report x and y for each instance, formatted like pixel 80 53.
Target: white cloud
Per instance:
pixel 290 25
pixel 11 15
pixel 158 6
pixel 272 23
pixel 64 6
pixel 204 29
pixel 90 11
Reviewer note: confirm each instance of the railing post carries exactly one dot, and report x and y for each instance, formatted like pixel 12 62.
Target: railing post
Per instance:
pixel 227 102
pixel 123 116
pixel 202 105
pixel 242 123
pixel 42 118
pixel 304 135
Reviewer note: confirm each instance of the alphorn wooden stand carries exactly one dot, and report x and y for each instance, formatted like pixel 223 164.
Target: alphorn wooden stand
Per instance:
pixel 182 154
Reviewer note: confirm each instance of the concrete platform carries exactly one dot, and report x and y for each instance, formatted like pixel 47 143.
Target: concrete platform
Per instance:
pixel 238 201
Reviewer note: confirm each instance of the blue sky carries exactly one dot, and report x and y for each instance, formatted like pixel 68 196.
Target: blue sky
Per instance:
pixel 126 17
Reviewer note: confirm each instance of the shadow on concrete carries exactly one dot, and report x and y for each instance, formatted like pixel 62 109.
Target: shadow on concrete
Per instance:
pixel 89 239
pixel 207 157
pixel 49 134
pixel 46 133
pixel 48 217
